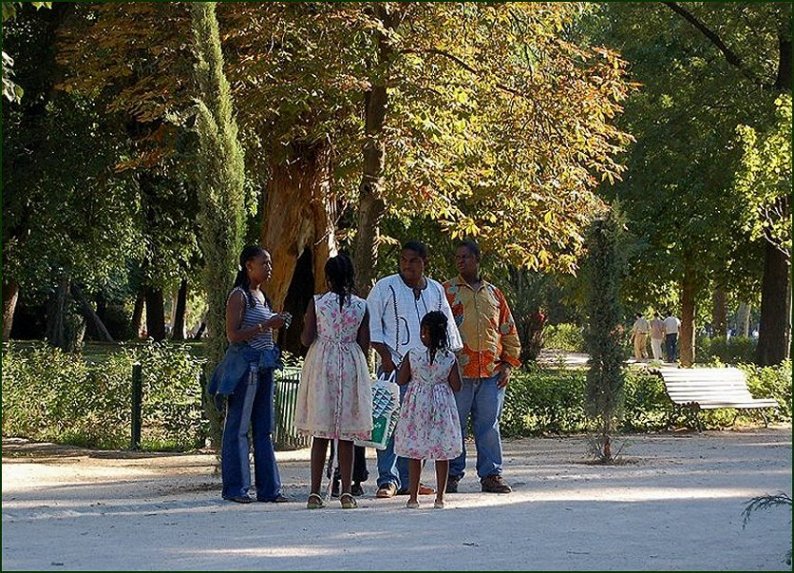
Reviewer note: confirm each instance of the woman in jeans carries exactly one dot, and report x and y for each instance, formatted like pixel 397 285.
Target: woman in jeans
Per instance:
pixel 245 377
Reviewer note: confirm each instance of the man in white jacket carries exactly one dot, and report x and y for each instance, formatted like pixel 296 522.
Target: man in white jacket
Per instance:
pixel 397 303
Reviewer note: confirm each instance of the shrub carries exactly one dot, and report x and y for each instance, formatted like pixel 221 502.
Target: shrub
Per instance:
pixel 551 401
pixel 564 336
pixel 771 382
pixel 737 349
pixel 52 395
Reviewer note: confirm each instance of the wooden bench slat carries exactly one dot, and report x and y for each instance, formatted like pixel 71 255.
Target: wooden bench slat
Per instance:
pixel 711 388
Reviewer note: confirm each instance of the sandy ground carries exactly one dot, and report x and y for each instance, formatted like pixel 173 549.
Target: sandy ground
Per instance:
pixel 674 505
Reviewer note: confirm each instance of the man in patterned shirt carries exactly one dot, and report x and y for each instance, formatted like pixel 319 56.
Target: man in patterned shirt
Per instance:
pixel 490 351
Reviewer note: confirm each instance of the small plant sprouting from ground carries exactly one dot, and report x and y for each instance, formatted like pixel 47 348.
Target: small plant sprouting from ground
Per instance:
pixel 766 502
pixel 596 450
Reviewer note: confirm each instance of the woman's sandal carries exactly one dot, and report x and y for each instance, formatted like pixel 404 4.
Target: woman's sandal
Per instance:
pixel 315 501
pixel 348 501
pixel 412 504
pixel 438 505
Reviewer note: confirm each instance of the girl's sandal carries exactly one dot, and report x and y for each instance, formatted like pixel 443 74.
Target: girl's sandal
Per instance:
pixel 315 502
pixel 412 504
pixel 348 501
pixel 438 505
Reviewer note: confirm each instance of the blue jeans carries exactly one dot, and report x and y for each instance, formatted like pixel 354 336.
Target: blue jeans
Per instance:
pixel 250 406
pixel 670 343
pixel 392 468
pixel 483 400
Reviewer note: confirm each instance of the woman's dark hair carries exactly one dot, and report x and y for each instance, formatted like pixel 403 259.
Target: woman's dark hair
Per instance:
pixel 241 280
pixel 436 323
pixel 341 276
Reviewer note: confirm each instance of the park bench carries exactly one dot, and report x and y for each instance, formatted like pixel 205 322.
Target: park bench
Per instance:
pixel 699 389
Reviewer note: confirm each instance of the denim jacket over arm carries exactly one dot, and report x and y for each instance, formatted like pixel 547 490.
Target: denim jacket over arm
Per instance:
pixel 236 364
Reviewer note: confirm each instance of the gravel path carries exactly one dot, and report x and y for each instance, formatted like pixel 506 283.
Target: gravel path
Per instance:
pixel 674 504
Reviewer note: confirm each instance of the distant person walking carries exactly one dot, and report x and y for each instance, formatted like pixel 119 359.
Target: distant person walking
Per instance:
pixel 657 336
pixel 639 334
pixel 671 327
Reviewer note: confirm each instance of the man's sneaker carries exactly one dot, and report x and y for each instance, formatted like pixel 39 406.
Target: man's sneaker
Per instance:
pixel 356 489
pixel 495 484
pixel 452 484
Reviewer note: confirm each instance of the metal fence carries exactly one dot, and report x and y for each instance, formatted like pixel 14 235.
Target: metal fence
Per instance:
pixel 285 436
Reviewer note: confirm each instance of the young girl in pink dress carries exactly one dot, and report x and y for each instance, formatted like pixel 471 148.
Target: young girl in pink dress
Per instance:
pixel 429 426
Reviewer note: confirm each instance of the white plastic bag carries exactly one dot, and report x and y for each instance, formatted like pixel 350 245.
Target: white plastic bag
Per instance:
pixel 385 411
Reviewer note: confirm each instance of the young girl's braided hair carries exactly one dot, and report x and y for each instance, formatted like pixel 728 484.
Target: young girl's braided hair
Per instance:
pixel 436 323
pixel 341 277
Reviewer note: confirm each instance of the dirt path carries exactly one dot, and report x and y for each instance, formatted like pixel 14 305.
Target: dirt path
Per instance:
pixel 676 506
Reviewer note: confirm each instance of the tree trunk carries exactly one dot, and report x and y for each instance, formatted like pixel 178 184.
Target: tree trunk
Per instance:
pixel 371 206
pixel 137 313
pixel 743 319
pixel 719 312
pixel 686 338
pixel 775 328
pixel 90 315
pixel 178 329
pixel 774 331
pixel 10 296
pixel 56 315
pixel 299 215
pixel 155 314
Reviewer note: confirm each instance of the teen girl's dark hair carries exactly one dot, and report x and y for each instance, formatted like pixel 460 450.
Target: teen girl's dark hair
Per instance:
pixel 341 276
pixel 436 323
pixel 241 280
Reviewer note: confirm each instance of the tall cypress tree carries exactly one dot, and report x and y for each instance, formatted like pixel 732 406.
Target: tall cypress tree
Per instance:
pixel 604 396
pixel 221 175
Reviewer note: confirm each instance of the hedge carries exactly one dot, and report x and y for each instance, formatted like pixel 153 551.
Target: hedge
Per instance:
pixel 54 396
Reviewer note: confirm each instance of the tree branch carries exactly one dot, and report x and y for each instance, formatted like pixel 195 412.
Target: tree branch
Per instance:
pixel 465 66
pixel 730 56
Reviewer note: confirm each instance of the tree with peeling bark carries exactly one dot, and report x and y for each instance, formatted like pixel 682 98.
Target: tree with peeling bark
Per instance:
pixel 500 135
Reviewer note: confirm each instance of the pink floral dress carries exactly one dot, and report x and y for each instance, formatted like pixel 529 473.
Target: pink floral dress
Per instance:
pixel 429 426
pixel 335 393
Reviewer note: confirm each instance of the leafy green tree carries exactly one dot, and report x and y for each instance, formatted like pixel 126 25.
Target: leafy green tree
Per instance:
pixel 68 221
pixel 679 189
pixel 11 91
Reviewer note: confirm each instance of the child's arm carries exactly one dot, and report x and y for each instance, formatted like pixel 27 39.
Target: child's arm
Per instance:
pixel 404 374
pixel 363 333
pixel 454 377
pixel 309 324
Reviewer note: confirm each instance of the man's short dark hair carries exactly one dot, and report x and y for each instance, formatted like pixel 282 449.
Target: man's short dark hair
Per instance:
pixel 473 247
pixel 417 247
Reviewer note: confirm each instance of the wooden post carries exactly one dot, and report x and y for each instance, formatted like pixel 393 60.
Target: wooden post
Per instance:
pixel 137 400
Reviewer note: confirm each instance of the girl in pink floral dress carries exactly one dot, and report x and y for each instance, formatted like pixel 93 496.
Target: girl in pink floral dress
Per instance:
pixel 429 426
pixel 335 393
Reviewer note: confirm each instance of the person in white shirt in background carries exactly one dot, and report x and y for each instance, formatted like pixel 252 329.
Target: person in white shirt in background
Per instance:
pixel 657 336
pixel 671 327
